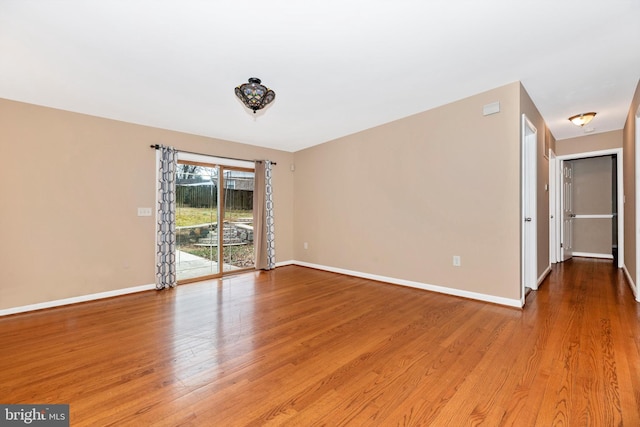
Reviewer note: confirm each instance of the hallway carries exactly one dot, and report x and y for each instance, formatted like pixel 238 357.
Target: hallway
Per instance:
pixel 588 311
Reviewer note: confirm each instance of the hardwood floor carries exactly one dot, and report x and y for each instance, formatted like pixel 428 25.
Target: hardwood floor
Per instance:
pixel 299 347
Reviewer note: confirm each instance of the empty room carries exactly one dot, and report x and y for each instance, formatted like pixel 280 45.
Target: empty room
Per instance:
pixel 348 213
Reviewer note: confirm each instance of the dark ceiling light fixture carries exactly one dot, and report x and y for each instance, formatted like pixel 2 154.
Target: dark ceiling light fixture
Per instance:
pixel 582 119
pixel 255 95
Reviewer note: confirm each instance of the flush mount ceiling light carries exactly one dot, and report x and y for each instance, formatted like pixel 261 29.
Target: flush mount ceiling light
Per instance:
pixel 254 95
pixel 582 119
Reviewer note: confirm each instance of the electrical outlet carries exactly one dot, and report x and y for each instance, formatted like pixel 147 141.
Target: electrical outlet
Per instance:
pixel 456 261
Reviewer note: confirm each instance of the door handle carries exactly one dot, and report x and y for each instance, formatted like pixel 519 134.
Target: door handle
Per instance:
pixel 527 219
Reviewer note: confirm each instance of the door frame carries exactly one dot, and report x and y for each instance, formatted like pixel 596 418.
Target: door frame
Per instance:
pixel 620 196
pixel 222 163
pixel 565 245
pixel 528 216
pixel 637 204
pixel 553 201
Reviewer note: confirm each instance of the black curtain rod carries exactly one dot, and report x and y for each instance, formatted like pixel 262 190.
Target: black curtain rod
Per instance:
pixel 157 146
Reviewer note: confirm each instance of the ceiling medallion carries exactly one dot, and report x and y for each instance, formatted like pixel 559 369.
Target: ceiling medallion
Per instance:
pixel 255 95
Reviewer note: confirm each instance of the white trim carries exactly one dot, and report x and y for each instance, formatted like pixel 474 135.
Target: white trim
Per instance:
pixel 593 216
pixel 204 158
pixel 433 288
pixel 620 220
pixel 553 200
pixel 587 154
pixel 528 207
pixel 619 156
pixel 75 300
pixel 592 255
pixel 544 275
pixel 632 284
pixel 285 263
pixel 636 144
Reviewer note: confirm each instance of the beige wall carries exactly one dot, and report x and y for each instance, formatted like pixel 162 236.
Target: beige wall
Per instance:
pixel 529 109
pixel 551 141
pixel 592 236
pixel 589 143
pixel 400 200
pixel 629 170
pixel 592 194
pixel 71 186
pixel 592 185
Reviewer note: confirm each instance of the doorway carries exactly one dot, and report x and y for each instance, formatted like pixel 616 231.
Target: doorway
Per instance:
pixel 572 220
pixel 214 218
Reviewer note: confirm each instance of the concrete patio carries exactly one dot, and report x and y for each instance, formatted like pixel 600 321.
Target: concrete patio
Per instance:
pixel 190 266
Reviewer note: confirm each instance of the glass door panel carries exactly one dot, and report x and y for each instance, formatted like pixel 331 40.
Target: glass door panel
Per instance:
pixel 237 219
pixel 197 213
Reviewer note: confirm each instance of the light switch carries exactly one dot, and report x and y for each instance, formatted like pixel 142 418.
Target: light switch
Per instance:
pixel 144 211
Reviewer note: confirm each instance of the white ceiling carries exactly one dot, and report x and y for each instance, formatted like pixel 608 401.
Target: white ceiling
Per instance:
pixel 337 66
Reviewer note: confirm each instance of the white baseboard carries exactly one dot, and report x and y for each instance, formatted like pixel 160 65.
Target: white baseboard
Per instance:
pixel 75 300
pixel 544 276
pixel 632 284
pixel 285 263
pixel 592 255
pixel 433 288
pixel 408 283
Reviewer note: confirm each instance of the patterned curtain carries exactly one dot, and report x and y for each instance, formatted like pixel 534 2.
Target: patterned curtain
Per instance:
pixel 264 231
pixel 166 217
pixel 268 214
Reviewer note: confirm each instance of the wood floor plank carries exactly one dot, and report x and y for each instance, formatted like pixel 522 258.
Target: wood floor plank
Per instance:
pixel 301 347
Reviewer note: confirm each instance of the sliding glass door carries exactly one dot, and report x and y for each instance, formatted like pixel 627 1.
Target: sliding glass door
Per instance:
pixel 214 220
pixel 237 214
pixel 197 206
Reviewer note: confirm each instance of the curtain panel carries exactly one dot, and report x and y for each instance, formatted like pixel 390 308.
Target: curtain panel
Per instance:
pixel 264 230
pixel 166 219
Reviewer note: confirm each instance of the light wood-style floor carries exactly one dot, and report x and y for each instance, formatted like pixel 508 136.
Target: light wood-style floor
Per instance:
pixel 301 347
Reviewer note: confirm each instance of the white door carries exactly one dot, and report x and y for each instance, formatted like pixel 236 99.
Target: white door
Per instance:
pixel 566 245
pixel 529 219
